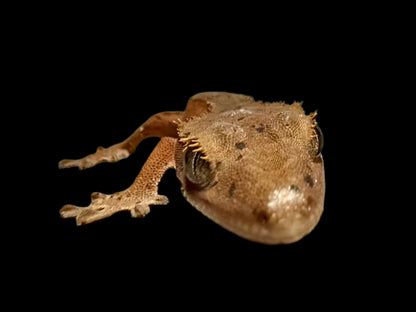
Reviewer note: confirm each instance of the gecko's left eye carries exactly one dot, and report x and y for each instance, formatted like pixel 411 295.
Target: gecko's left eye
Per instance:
pixel 198 171
pixel 316 143
pixel 320 140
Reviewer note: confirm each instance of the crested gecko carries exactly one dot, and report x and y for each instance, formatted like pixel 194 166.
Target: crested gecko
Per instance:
pixel 254 168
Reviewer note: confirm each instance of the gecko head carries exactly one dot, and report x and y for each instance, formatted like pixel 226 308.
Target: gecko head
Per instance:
pixel 256 171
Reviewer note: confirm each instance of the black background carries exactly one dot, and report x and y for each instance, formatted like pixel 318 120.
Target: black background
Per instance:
pixel 96 80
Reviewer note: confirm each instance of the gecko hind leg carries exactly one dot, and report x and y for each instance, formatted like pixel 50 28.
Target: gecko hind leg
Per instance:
pixel 138 197
pixel 159 125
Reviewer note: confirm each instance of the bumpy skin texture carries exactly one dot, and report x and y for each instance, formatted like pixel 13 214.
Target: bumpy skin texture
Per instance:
pixel 256 169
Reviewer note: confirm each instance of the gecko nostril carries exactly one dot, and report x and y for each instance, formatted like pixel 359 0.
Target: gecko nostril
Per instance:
pixel 294 188
pixel 310 180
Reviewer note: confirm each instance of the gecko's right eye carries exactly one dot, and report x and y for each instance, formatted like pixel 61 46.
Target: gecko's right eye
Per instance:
pixel 198 171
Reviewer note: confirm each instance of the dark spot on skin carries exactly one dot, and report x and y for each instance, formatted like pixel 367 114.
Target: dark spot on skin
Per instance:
pixel 240 145
pixel 309 180
pixel 310 201
pixel 260 129
pixel 241 118
pixel 231 190
pixel 261 215
pixel 294 188
pixel 239 157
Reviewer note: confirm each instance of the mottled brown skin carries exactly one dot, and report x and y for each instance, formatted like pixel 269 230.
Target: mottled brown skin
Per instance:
pixel 256 169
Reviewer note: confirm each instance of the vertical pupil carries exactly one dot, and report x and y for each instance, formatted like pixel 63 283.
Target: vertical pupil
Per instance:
pixel 198 171
pixel 195 162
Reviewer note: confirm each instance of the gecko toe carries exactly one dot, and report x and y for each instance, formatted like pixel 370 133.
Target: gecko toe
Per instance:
pixel 66 163
pixel 142 209
pixel 161 200
pixel 70 211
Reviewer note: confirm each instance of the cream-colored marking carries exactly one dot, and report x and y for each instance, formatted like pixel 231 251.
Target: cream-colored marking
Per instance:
pixel 285 198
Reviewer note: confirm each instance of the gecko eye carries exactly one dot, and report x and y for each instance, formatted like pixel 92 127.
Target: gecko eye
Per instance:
pixel 316 143
pixel 198 171
pixel 320 138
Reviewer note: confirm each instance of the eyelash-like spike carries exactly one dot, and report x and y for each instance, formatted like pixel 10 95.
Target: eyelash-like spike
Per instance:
pixel 200 149
pixel 193 145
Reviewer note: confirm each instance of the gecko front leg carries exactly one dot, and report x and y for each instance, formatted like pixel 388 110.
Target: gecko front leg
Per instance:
pixel 159 125
pixel 138 197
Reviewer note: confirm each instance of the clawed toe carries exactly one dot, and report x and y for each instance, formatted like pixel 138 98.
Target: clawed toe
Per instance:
pixel 142 209
pixel 83 163
pixel 70 211
pixel 161 200
pixel 66 163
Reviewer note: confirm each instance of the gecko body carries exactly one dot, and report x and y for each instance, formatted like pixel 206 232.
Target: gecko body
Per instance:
pixel 254 168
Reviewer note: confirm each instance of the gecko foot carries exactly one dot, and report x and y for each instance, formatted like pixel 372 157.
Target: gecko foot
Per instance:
pixel 103 206
pixel 112 154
